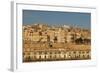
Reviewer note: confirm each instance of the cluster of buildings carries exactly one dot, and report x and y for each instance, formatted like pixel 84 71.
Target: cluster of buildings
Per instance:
pixel 42 42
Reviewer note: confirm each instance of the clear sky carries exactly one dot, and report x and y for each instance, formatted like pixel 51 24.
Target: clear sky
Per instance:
pixel 54 17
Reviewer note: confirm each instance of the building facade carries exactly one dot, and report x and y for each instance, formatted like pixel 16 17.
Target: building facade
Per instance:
pixel 45 43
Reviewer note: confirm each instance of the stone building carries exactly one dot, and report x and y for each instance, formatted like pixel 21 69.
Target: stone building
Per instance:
pixel 44 43
pixel 75 52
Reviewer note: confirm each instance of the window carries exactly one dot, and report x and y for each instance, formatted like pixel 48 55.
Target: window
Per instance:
pixel 50 52
pixel 87 52
pixel 74 52
pixel 24 53
pixel 82 51
pixel 45 52
pixel 39 57
pixel 79 52
pixel 83 56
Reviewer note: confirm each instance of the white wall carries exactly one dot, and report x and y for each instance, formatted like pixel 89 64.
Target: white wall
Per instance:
pixel 5 36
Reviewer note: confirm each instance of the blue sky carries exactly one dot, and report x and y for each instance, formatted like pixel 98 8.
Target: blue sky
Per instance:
pixel 82 20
